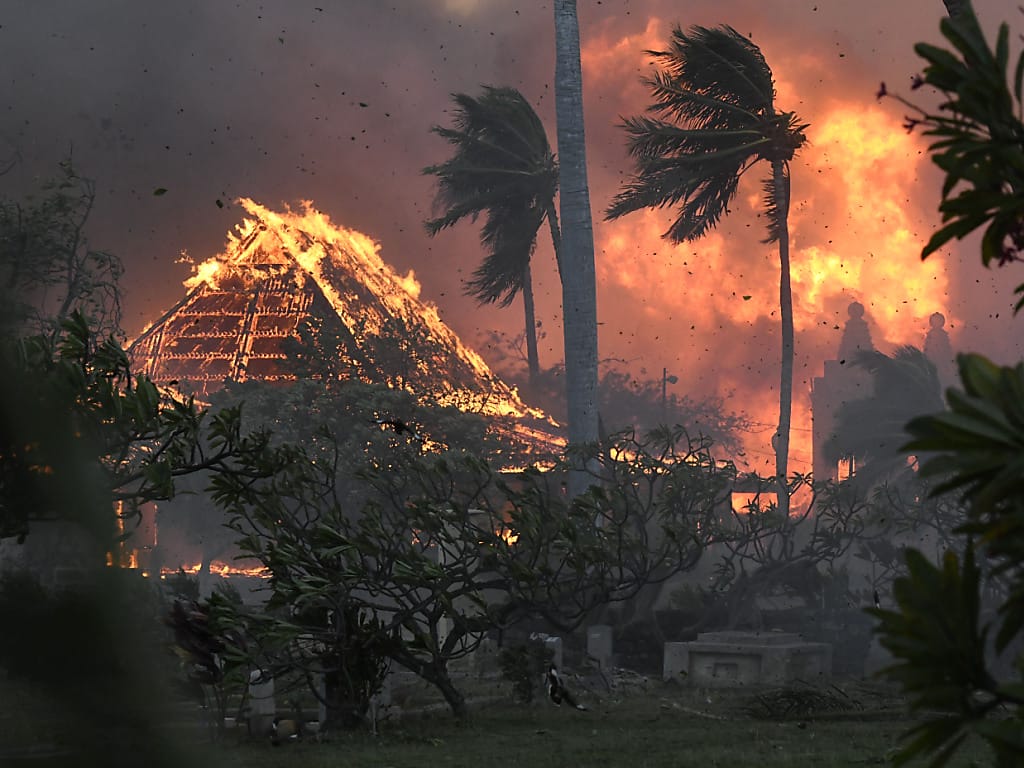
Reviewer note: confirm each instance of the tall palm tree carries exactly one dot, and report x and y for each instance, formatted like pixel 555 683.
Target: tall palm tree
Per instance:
pixel 872 430
pixel 713 118
pixel 502 167
pixel 579 282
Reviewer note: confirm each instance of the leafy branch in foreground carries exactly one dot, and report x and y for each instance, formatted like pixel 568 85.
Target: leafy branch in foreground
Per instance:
pixel 940 631
pixel 978 139
pixel 47 269
pixel 79 432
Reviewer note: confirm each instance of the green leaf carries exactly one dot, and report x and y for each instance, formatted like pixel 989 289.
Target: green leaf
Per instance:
pixel 958 229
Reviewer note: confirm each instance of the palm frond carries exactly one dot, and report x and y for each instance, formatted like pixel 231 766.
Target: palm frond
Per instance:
pixel 703 210
pixel 713 119
pixel 502 167
pixel 509 236
pixel 456 203
pixel 702 190
pixel 649 138
pixel 718 64
pixel 729 65
pixel 674 98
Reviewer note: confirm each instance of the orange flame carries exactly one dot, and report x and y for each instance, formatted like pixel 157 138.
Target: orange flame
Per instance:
pixel 709 309
pixel 507 535
pixel 743 502
pixel 318 244
pixel 218 568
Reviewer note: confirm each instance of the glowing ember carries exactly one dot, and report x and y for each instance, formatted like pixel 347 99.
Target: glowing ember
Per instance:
pixel 218 568
pixel 507 535
pixel 743 503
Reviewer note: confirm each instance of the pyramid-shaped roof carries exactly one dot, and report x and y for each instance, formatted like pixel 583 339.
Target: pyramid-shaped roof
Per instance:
pixel 283 271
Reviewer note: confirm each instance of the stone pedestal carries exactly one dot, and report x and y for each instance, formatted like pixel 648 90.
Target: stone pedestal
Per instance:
pixel 599 645
pixel 734 659
pixel 553 644
pixel 262 705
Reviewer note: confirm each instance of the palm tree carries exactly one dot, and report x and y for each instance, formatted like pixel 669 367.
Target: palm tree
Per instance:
pixel 713 118
pixel 503 166
pixel 579 285
pixel 872 430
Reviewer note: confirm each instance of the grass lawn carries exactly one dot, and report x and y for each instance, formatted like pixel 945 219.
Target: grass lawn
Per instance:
pixel 665 726
pixel 657 731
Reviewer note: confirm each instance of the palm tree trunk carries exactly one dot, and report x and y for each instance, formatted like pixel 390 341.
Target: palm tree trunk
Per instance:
pixel 532 362
pixel 780 179
pixel 579 289
pixel 556 236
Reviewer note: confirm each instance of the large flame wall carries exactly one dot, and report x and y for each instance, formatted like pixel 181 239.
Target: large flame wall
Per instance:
pixel 708 310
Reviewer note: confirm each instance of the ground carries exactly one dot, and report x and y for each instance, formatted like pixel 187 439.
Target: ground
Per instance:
pixel 639 725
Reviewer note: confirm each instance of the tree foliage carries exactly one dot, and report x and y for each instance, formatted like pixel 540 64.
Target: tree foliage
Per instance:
pixel 627 401
pixel 940 632
pixel 763 552
pixel 871 430
pixel 48 269
pixel 713 117
pixel 210 644
pixel 978 138
pixel 502 167
pixel 446 549
pixel 81 433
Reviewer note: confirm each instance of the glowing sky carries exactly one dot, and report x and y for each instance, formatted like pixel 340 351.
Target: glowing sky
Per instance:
pixel 333 102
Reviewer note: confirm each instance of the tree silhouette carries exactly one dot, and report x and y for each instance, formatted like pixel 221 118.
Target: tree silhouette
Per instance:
pixel 873 429
pixel 713 118
pixel 502 167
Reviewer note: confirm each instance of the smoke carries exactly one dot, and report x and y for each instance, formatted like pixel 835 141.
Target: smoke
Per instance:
pixel 334 103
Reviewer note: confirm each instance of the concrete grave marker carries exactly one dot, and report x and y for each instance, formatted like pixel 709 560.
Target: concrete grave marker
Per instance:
pixel 262 706
pixel 599 645
pixel 733 659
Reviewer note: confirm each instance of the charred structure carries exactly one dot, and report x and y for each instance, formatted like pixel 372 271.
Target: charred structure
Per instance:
pixel 292 287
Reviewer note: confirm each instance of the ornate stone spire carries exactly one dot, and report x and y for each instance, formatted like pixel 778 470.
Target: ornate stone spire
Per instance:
pixel 842 382
pixel 938 349
pixel 856 335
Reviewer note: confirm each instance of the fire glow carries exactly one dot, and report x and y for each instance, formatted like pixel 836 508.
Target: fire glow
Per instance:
pixel 218 568
pixel 320 246
pixel 709 309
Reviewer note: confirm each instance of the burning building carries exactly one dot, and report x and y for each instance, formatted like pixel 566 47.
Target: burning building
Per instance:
pixel 295 277
pixel 294 294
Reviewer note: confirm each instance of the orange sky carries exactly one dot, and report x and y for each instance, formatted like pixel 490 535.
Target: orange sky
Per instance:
pixel 709 308
pixel 284 102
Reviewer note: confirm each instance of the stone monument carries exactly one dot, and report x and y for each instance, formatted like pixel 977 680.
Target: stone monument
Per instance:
pixel 732 659
pixel 842 381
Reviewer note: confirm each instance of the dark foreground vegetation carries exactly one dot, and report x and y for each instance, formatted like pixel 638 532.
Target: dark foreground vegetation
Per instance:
pixel 659 725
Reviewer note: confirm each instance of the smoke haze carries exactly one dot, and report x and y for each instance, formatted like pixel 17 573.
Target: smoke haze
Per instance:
pixel 333 103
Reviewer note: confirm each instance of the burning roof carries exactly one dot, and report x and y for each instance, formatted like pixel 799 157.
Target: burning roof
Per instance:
pixel 281 273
